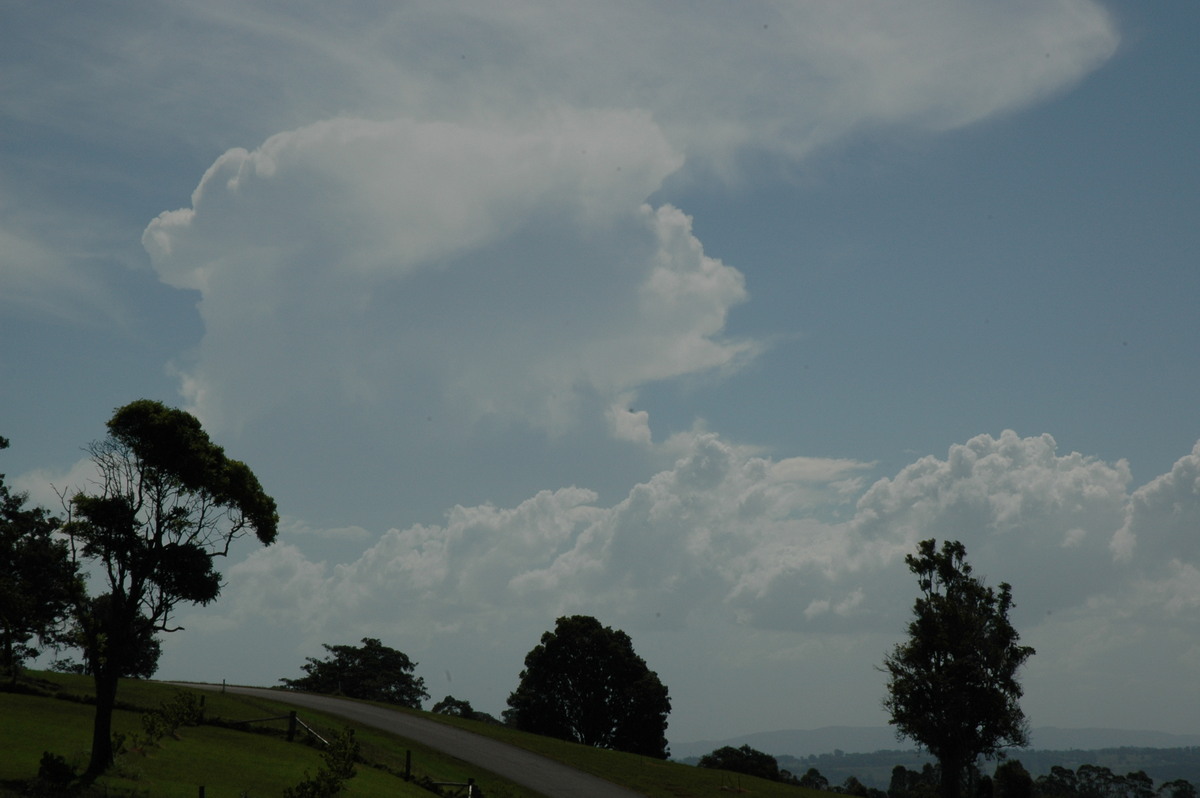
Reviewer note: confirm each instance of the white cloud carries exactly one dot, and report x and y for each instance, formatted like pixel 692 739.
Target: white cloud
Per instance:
pixel 727 545
pixel 1164 514
pixel 764 74
pixel 512 272
pixel 728 534
pixel 680 544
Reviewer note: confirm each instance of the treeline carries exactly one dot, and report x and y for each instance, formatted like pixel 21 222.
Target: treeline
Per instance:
pixel 1062 774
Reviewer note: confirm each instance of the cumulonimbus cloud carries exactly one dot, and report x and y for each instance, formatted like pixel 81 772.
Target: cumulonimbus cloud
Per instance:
pixel 510 272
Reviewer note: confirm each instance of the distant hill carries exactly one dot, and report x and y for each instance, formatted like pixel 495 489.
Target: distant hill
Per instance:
pixel 868 739
pixel 869 753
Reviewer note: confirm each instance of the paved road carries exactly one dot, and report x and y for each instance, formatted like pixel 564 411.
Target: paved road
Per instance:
pixel 546 776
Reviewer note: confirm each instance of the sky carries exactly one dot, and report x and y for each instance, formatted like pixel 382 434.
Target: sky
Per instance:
pixel 693 317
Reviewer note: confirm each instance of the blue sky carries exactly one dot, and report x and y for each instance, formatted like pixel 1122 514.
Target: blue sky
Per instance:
pixel 692 318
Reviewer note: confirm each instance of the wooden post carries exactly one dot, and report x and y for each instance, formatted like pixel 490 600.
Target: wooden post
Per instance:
pixel 470 788
pixel 291 735
pixel 408 765
pixel 201 791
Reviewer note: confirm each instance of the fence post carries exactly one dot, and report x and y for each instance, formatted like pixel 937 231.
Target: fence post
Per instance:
pixel 470 788
pixel 408 765
pixel 201 791
pixel 291 736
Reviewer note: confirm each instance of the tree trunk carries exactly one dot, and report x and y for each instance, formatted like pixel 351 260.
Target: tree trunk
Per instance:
pixel 951 785
pixel 106 678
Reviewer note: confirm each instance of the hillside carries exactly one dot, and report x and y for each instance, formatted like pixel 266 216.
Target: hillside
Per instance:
pixel 231 762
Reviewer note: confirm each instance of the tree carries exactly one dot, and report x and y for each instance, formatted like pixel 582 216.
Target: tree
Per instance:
pixel 166 502
pixel 1012 780
pixel 584 683
pixel 1060 782
pixel 813 780
pixel 746 760
pixel 1179 788
pixel 461 709
pixel 38 580
pixel 372 672
pixel 907 783
pixel 952 686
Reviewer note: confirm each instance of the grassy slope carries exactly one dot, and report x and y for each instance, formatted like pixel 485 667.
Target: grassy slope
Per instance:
pixel 234 763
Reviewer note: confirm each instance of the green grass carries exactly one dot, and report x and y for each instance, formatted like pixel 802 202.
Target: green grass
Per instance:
pixel 234 763
pixel 644 775
pixel 226 761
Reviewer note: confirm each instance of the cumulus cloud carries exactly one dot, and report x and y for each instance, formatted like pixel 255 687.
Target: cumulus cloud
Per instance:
pixel 727 539
pixel 727 533
pixel 679 544
pixel 511 272
pixel 1164 514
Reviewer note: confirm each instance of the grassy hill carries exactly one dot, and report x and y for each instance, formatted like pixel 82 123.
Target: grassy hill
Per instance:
pixel 228 760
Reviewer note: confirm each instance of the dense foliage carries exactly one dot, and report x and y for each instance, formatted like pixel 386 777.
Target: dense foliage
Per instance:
pixel 457 708
pixel 372 672
pixel 952 685
pixel 38 580
pixel 879 769
pixel 165 503
pixel 746 760
pixel 585 683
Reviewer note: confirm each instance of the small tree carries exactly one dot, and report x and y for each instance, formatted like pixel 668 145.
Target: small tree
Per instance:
pixel 461 709
pixel 167 501
pixel 952 686
pixel 813 780
pixel 372 672
pixel 1012 780
pixel 38 581
pixel 584 683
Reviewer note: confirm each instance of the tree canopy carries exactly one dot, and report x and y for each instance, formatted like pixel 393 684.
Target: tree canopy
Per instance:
pixel 39 581
pixel 165 502
pixel 952 685
pixel 372 672
pixel 585 683
pixel 746 760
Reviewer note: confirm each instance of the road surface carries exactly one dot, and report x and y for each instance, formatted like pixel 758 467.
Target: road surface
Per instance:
pixel 546 776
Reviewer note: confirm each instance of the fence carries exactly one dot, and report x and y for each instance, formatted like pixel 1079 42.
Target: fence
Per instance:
pixel 467 789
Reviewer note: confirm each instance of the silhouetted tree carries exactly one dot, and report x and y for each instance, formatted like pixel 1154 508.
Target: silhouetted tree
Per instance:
pixel 1179 788
pixel 584 683
pixel 813 780
pixel 952 686
pixel 461 709
pixel 852 786
pixel 907 783
pixel 1060 782
pixel 1012 780
pixel 166 502
pixel 372 672
pixel 745 760
pixel 39 582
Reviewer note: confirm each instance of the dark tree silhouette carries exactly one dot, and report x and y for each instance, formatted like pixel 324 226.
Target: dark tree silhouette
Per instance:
pixel 372 672
pixel 747 760
pixel 952 686
pixel 584 683
pixel 166 502
pixel 39 581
